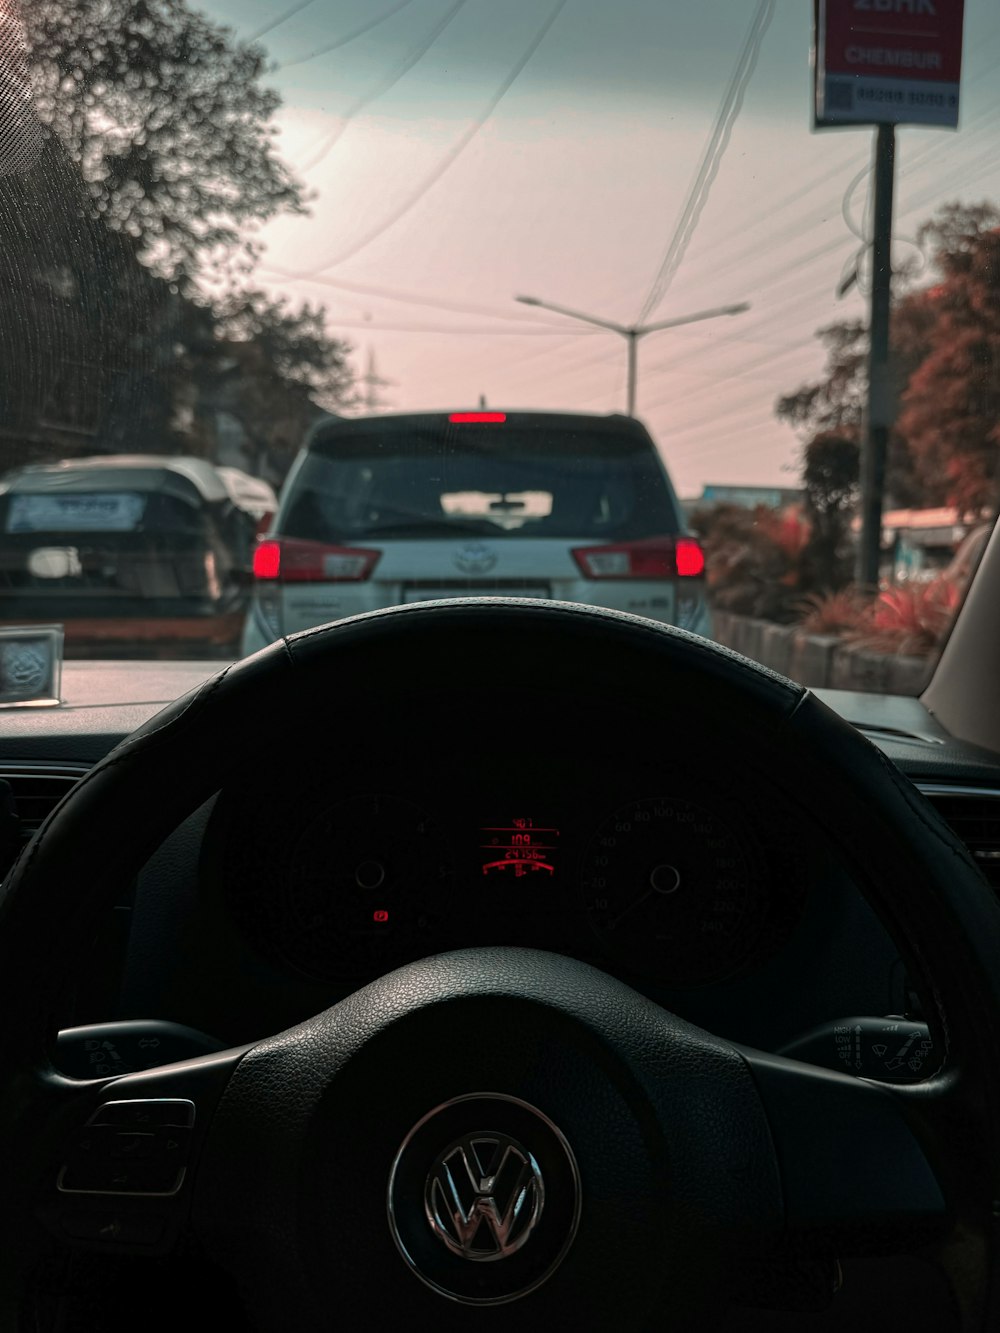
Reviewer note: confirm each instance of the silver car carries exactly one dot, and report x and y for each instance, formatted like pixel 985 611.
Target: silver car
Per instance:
pixel 384 510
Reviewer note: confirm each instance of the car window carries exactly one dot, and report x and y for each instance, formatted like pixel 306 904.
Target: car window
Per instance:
pixel 512 480
pixel 300 254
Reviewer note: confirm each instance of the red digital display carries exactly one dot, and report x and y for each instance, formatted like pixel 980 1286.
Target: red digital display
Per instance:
pixel 519 847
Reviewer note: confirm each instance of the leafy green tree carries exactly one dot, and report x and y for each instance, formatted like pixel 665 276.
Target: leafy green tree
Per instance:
pixel 157 166
pixel 834 402
pixel 830 480
pixel 275 371
pixel 166 116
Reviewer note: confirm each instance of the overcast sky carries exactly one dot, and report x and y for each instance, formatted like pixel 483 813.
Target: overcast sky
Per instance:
pixel 571 191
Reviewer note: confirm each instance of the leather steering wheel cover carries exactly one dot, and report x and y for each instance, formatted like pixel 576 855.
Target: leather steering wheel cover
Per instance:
pixel 920 878
pixel 127 803
pixel 120 811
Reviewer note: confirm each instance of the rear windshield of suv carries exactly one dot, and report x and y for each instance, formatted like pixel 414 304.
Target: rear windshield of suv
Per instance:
pixel 497 480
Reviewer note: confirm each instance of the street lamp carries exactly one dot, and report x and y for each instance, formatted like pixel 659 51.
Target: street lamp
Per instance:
pixel 633 332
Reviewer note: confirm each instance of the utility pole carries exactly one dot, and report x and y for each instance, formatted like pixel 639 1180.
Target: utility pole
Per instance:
pixel 633 332
pixel 373 382
pixel 880 407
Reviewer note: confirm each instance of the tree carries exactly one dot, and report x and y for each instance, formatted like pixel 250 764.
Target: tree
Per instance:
pixel 753 559
pixel 836 401
pixel 951 407
pixel 156 166
pixel 166 118
pixel 834 404
pixel 945 341
pixel 293 343
pixel 277 370
pixel 830 480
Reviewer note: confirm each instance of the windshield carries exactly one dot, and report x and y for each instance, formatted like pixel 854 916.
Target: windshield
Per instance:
pixel 686 310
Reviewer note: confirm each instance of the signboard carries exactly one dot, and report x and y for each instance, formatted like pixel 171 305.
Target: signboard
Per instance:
pixel 888 61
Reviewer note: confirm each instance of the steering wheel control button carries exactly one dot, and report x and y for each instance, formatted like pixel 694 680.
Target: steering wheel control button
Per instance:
pixel 114 1228
pixel 133 1147
pixel 484 1199
pixel 115 1177
pixel 142 1112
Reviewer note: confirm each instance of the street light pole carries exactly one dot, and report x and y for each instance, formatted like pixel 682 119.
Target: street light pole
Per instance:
pixel 633 332
pixel 633 369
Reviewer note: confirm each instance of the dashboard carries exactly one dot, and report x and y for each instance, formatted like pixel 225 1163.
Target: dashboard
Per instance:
pixel 689 874
pixel 687 871
pixel 670 878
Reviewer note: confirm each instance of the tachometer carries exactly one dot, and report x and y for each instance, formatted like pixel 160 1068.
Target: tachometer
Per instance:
pixel 670 891
pixel 370 879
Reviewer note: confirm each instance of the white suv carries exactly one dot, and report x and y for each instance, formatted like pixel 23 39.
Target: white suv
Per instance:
pixel 378 511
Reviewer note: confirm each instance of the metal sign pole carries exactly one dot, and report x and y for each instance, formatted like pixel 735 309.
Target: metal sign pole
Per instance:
pixel 880 408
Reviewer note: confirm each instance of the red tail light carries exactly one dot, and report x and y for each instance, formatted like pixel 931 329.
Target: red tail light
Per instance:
pixel 482 418
pixel 649 558
pixel 690 557
pixel 291 561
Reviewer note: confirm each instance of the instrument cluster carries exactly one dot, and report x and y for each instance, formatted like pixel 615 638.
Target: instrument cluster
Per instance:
pixel 679 879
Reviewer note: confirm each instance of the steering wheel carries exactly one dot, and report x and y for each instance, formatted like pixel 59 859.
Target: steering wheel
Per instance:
pixel 501 1137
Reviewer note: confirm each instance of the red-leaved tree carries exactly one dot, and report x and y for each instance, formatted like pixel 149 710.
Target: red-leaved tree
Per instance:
pixel 950 409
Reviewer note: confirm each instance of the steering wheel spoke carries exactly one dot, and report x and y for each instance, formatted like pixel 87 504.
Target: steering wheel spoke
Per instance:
pixel 115 1160
pixel 856 1158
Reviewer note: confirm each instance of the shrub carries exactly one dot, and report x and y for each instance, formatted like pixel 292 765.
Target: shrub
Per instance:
pixel 845 612
pixel 911 619
pixel 753 559
pixel 914 617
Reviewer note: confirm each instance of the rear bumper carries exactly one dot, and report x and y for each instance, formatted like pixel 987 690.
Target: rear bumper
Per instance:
pixel 688 612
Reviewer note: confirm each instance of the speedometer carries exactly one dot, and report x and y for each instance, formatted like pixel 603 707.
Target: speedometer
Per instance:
pixel 670 891
pixel 370 880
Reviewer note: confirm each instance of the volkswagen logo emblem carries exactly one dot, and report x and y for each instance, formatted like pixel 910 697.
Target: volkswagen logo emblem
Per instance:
pixel 484 1197
pixel 475 558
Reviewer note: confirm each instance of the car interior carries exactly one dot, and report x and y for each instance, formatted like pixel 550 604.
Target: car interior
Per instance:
pixel 770 1059
pixel 499 962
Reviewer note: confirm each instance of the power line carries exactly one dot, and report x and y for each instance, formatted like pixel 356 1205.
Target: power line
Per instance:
pixel 776 206
pixel 580 364
pixel 282 18
pixel 406 298
pixel 458 331
pixel 411 58
pixel 965 173
pixel 744 371
pixel 693 454
pixel 737 259
pixel 536 354
pixel 711 158
pixel 676 460
pixel 451 157
pixel 746 399
pixel 349 37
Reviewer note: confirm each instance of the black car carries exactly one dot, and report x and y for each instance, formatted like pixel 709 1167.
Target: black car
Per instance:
pixel 130 549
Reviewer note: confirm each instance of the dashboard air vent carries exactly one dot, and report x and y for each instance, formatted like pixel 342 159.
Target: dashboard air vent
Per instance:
pixel 37 789
pixel 974 814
